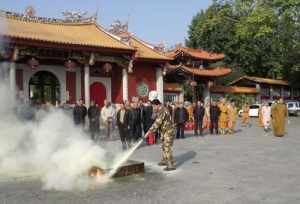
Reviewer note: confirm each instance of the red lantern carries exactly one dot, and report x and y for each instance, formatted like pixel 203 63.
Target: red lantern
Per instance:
pixel 33 63
pixel 70 65
pixel 193 83
pixel 107 67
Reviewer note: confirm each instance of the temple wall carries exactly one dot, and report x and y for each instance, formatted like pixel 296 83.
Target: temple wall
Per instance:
pixel 143 73
pixel 116 85
pixel 71 83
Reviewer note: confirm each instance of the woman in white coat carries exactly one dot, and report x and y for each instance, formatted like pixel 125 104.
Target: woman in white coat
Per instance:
pixel 266 116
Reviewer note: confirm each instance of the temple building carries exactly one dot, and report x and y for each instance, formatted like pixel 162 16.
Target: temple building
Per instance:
pixel 194 67
pixel 267 89
pixel 64 60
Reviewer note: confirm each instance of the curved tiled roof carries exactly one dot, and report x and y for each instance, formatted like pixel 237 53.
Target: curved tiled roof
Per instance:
pixel 212 72
pixel 233 89
pixel 146 52
pixel 72 33
pixel 196 53
pixel 262 80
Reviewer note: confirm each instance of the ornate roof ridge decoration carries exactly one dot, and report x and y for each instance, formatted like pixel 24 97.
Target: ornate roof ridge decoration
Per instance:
pixel 144 50
pixel 46 20
pixel 117 27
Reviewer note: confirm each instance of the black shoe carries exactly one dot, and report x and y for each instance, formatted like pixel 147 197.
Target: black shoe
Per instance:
pixel 162 163
pixel 169 168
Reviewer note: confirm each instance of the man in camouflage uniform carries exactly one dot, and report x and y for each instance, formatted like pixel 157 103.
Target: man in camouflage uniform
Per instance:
pixel 164 124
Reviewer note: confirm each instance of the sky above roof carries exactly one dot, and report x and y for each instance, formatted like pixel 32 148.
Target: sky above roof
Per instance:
pixel 154 21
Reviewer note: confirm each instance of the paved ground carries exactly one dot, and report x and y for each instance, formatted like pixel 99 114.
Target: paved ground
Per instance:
pixel 249 167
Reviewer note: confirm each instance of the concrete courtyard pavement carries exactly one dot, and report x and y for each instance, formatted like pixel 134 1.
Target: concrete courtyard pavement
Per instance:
pixel 250 167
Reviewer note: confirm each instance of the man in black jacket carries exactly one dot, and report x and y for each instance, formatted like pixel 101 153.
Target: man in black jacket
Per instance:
pixel 79 113
pixel 94 115
pixel 123 126
pixel 180 118
pixel 147 117
pixel 214 118
pixel 137 121
pixel 131 119
pixel 198 117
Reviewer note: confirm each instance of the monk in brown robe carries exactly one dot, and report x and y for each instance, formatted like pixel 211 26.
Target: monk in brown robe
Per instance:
pixel 279 116
pixel 245 114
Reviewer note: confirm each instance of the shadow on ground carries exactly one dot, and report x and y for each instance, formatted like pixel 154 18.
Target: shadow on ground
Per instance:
pixel 181 159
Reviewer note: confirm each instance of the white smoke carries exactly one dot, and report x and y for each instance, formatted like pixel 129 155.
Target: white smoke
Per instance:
pixel 52 148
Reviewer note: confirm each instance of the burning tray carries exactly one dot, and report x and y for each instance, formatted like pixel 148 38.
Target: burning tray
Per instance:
pixel 129 168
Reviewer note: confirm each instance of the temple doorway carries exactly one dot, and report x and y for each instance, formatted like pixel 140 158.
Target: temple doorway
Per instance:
pixel 44 87
pixel 98 93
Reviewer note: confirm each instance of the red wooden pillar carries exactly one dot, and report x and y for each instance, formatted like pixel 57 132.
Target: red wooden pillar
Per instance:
pixel 19 79
pixel 71 86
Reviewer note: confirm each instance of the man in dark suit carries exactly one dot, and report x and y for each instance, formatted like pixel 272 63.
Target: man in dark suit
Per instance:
pixel 214 117
pixel 137 121
pixel 198 117
pixel 94 115
pixel 123 126
pixel 147 119
pixel 180 118
pixel 79 113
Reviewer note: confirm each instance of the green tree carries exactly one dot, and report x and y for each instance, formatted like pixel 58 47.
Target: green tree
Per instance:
pixel 258 37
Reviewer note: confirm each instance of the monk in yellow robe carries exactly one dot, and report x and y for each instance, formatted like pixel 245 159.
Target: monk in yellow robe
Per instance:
pixel 190 110
pixel 232 116
pixel 245 114
pixel 279 116
pixel 223 118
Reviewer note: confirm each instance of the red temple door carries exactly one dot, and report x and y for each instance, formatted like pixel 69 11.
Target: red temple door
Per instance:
pixel 98 93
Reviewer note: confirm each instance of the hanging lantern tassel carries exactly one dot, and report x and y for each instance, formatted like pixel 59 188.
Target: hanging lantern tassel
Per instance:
pixel 33 63
pixel 165 70
pixel 70 65
pixel 193 83
pixel 130 67
pixel 107 67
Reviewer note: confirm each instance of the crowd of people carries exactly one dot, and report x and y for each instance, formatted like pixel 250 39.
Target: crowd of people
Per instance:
pixel 133 119
pixel 157 122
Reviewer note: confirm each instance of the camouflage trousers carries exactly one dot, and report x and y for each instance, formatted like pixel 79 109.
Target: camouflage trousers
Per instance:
pixel 167 143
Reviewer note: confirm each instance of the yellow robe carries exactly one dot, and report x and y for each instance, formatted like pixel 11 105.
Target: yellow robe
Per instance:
pixel 279 115
pixel 223 119
pixel 190 110
pixel 232 115
pixel 245 115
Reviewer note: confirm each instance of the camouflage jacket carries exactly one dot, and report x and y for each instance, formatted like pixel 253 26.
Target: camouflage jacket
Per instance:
pixel 163 123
